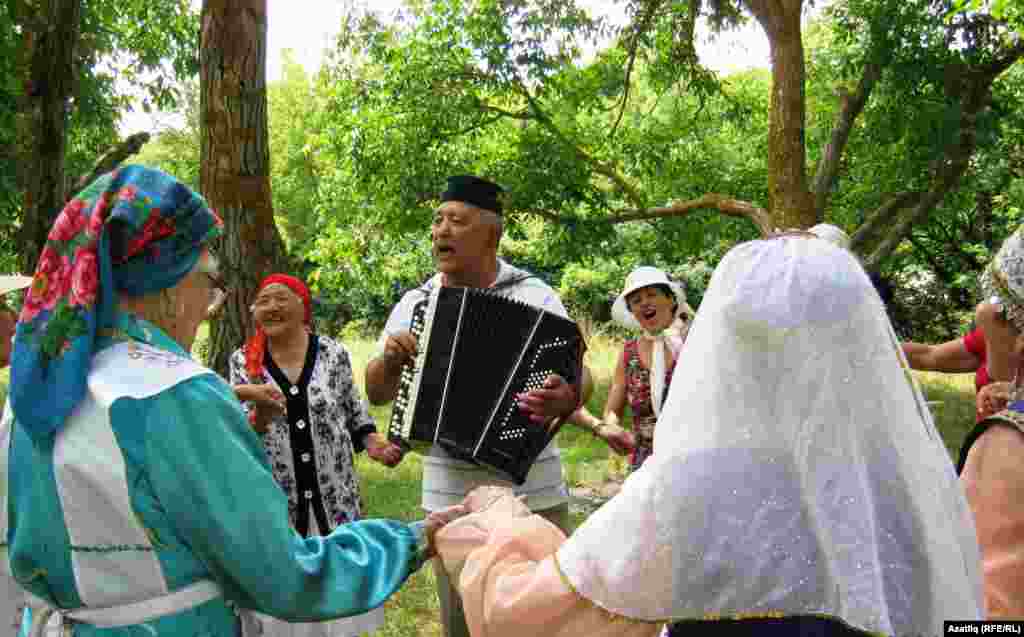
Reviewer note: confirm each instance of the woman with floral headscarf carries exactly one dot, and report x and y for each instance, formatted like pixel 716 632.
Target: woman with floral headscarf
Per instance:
pixel 297 386
pixel 798 486
pixel 990 459
pixel 135 494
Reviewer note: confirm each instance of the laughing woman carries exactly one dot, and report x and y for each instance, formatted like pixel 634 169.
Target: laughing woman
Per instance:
pixel 297 387
pixel 656 305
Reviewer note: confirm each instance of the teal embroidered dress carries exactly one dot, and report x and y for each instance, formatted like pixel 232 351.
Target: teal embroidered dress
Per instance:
pixel 157 482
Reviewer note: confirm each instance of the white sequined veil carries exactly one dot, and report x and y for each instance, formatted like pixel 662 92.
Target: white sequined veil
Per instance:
pixel 796 468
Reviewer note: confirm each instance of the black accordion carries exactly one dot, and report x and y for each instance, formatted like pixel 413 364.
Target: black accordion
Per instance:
pixel 476 352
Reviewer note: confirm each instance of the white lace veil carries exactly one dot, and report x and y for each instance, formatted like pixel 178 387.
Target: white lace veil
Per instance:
pixel 796 469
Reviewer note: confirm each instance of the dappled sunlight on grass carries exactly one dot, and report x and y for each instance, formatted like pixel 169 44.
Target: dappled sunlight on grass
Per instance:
pixel 954 411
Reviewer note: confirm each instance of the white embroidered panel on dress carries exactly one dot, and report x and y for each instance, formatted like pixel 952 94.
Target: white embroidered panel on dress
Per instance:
pixel 5 446
pixel 112 557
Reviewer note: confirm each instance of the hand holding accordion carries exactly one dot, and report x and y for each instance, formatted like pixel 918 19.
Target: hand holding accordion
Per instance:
pixel 553 399
pixel 477 353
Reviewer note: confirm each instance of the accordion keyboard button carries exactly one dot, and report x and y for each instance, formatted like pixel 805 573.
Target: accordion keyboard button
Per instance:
pixel 301 424
pixel 305 457
pixel 293 391
pixel 308 494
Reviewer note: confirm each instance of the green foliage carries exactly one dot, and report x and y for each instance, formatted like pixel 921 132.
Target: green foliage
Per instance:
pixel 504 89
pixel 175 150
pixel 291 104
pixel 128 51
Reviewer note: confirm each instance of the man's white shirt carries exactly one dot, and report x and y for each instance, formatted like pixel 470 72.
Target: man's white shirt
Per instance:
pixel 446 480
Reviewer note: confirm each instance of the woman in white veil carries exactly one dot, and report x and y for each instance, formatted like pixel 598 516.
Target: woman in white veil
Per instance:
pixel 801 487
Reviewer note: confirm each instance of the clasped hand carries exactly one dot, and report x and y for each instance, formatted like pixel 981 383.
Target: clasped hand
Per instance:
pixel 382 450
pixel 436 520
pixel 992 398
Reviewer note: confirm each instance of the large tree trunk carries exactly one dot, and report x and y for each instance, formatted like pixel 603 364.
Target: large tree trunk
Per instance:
pixel 789 200
pixel 235 160
pixel 51 29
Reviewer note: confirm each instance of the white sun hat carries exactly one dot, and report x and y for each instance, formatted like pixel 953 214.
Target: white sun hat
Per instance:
pixel 642 277
pixel 12 282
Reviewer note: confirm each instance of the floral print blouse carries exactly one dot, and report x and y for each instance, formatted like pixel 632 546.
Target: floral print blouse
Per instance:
pixel 311 449
pixel 638 394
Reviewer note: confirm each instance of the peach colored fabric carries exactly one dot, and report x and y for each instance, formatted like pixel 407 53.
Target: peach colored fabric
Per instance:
pixel 994 480
pixel 503 560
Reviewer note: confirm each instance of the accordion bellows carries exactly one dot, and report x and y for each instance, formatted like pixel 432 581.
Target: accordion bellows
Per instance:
pixel 476 352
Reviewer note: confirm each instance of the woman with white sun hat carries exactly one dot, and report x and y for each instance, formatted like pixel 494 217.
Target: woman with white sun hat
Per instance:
pixel 654 304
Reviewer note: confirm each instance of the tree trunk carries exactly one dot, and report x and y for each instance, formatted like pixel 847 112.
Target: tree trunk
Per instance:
pixel 789 200
pixel 51 29
pixel 235 160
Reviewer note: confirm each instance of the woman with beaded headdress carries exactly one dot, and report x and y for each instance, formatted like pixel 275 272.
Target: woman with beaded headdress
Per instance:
pixel 798 485
pixel 136 498
pixel 990 459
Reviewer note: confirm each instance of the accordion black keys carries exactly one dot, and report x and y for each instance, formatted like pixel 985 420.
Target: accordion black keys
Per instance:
pixel 476 352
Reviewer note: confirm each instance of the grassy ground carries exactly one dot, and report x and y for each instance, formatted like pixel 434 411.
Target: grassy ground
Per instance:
pixel 394 493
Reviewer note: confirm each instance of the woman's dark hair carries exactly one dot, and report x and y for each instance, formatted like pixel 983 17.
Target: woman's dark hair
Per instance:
pixel 661 287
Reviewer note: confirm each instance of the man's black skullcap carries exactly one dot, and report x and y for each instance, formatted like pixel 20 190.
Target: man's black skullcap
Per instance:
pixel 474 190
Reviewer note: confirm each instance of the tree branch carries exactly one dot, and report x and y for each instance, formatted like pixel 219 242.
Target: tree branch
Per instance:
pixel 974 92
pixel 852 107
pixel 109 161
pixel 996 67
pixel 634 46
pixel 546 214
pixel 711 201
pixel 599 167
pixel 522 115
pixel 625 90
pixel 483 123
pixel 872 230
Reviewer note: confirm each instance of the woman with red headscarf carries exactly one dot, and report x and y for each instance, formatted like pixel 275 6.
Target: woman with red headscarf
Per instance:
pixel 297 387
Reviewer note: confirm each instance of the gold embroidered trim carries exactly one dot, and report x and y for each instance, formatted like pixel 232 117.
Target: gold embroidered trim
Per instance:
pixel 767 614
pixel 608 615
pixel 1008 417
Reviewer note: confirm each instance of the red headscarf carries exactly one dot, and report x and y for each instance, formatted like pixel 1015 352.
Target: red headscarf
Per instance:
pixel 256 346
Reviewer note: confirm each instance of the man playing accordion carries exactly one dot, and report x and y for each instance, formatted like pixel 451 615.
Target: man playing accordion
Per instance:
pixel 465 233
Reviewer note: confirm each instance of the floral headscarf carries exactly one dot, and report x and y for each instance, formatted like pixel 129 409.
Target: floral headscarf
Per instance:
pixel 75 288
pixel 1004 279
